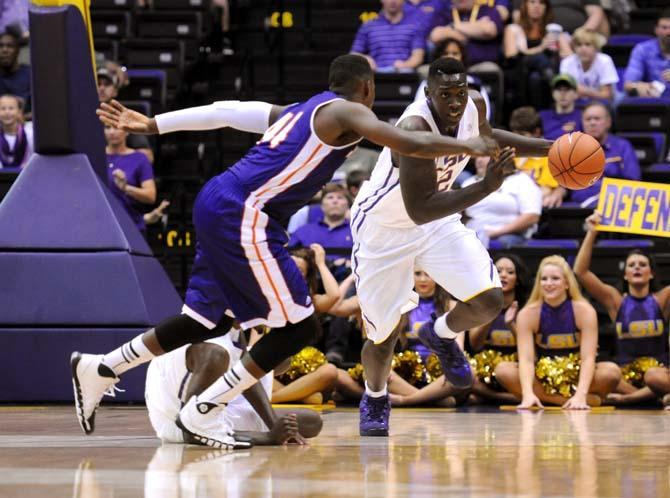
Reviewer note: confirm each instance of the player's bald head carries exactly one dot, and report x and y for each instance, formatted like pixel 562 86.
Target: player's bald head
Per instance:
pixel 447 71
pixel 346 71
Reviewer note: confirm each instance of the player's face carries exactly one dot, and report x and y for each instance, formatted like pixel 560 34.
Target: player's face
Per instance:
pixel 106 90
pixel 334 204
pixel 596 122
pixel 662 31
pixel 553 284
pixel 9 111
pixel 9 51
pixel 301 264
pixel 423 284
pixel 507 273
pixel 448 94
pixel 638 270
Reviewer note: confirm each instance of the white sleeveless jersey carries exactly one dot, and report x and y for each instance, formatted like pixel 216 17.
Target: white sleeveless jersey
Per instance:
pixel 380 198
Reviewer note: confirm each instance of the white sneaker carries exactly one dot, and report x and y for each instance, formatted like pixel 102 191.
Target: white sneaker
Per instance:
pixel 203 424
pixel 90 384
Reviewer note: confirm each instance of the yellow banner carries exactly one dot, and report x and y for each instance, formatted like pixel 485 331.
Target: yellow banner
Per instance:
pixel 84 7
pixel 627 206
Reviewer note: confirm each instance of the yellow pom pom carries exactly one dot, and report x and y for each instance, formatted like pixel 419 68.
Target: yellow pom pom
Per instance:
pixel 356 373
pixel 302 363
pixel 433 368
pixel 558 374
pixel 633 372
pixel 485 362
pixel 409 366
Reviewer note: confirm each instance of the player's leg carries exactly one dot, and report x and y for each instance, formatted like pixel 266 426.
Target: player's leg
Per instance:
pixel 203 318
pixel 457 261
pixel 383 263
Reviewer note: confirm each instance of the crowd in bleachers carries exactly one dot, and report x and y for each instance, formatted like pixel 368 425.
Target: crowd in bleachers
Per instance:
pixel 545 67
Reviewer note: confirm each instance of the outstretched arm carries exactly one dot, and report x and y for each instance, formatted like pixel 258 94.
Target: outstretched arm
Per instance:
pixel 353 117
pixel 254 117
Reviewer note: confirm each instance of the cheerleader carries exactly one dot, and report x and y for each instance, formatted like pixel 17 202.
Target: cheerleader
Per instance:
pixel 495 342
pixel 641 319
pixel 557 339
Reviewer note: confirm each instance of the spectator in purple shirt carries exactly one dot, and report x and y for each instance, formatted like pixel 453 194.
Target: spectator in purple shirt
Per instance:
pixel 564 117
pixel 650 62
pixel 14 77
pixel 333 231
pixel 393 41
pixel 131 177
pixel 620 158
pixel 477 26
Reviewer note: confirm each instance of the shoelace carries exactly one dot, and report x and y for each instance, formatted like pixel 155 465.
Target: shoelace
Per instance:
pixel 112 390
pixel 377 409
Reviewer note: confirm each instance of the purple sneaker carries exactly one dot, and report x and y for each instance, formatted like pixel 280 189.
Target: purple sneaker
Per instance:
pixel 455 365
pixel 374 414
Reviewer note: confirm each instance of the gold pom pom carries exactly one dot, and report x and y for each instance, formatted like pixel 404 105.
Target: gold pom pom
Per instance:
pixel 633 372
pixel 558 374
pixel 433 368
pixel 485 362
pixel 356 373
pixel 302 363
pixel 409 366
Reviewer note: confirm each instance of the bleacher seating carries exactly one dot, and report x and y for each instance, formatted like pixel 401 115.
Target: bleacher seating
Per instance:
pixel 643 114
pixel 649 147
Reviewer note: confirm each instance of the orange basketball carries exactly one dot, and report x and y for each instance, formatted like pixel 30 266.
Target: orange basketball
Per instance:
pixel 576 160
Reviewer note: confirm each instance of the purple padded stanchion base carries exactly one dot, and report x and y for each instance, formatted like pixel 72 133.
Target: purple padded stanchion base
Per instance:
pixel 35 363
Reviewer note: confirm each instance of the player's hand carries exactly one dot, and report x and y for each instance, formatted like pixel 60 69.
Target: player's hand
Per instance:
pixel 285 430
pixel 319 253
pixel 116 115
pixel 593 221
pixel 528 402
pixel 482 146
pixel 577 402
pixel 499 168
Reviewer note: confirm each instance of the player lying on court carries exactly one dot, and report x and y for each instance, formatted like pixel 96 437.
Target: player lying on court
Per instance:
pixel 242 267
pixel 407 217
pixel 176 376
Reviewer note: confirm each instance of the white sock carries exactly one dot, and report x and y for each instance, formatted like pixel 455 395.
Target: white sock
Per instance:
pixel 375 394
pixel 130 355
pixel 442 329
pixel 229 385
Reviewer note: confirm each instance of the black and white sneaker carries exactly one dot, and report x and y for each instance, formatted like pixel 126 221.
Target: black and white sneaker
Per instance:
pixel 91 380
pixel 203 424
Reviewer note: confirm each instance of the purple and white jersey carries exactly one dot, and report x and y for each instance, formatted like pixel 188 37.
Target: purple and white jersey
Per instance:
pixel 290 163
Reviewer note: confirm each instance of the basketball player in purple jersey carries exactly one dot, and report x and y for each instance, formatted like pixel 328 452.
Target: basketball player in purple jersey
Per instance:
pixel 242 267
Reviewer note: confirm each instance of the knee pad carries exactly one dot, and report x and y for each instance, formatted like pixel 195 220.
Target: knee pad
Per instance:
pixel 280 343
pixel 182 329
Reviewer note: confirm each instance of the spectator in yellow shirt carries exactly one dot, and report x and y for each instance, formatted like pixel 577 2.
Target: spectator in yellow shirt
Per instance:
pixel 526 121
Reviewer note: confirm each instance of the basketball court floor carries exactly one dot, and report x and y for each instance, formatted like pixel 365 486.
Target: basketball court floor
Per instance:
pixel 431 452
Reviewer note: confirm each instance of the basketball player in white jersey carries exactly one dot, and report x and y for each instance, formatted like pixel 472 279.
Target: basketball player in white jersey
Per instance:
pixel 407 216
pixel 176 376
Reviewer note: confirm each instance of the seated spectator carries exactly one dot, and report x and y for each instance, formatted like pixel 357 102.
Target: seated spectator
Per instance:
pixel 110 82
pixel 620 158
pixel 131 177
pixel 393 41
pixel 648 70
pixel 14 77
pixel 526 121
pixel 16 138
pixel 587 14
pixel 594 71
pixel 529 47
pixel 456 50
pixel 510 214
pixel 333 231
pixel 476 26
pixel 427 12
pixel 564 117
pixel 557 342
